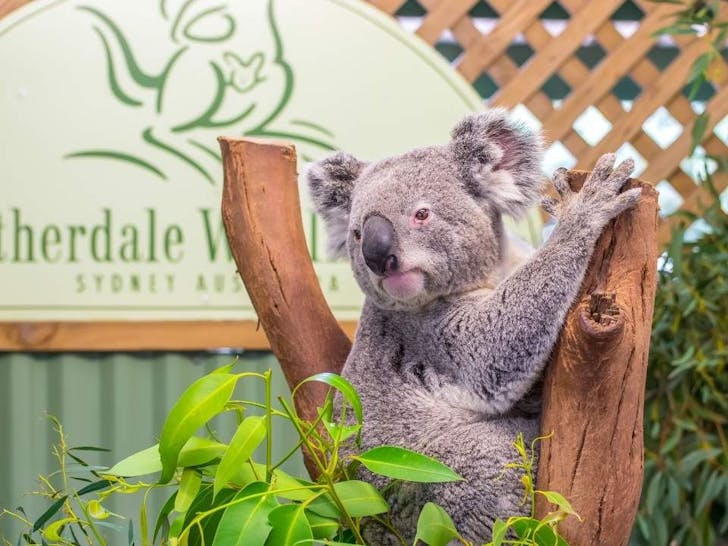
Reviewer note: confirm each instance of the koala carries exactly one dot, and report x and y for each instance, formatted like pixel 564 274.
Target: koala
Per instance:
pixel 448 356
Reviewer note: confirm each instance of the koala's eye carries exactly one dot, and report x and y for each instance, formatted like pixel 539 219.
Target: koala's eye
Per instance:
pixel 357 235
pixel 422 215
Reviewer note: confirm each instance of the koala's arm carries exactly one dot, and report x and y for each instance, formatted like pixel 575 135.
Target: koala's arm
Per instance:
pixel 502 340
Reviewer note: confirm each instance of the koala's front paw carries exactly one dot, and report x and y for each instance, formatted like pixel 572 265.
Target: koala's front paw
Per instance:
pixel 599 199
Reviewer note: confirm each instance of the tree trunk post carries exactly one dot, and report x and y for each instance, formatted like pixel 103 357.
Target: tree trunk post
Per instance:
pixel 594 385
pixel 261 212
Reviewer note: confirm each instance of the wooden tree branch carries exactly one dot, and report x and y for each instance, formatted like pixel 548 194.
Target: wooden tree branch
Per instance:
pixel 262 216
pixel 594 384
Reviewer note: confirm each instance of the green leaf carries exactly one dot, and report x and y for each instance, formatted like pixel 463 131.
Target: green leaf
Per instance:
pixel 339 432
pixel 290 526
pixel 346 389
pixel 196 451
pixel 654 493
pixel 325 506
pixel 322 527
pixel 53 531
pixel 245 523
pixel 541 535
pixel 693 459
pixel 204 502
pixel 499 532
pixel 698 131
pixel 246 439
pixel 189 486
pixel 48 514
pixel 143 524
pixel 162 518
pixel 671 442
pixel 96 510
pixel 178 523
pixel 89 448
pixel 90 488
pixel 281 480
pixel 404 464
pixel 202 400
pixel 434 526
pixel 559 500
pixel 710 492
pixel 359 499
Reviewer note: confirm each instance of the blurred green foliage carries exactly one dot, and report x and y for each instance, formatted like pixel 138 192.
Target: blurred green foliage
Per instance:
pixel 685 492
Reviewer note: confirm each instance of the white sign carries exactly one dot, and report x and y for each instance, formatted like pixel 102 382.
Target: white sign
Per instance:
pixel 110 176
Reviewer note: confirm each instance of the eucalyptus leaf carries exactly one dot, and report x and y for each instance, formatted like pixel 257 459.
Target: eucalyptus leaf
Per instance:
pixel 95 486
pixel 53 531
pixel 245 523
pixel 559 500
pixel 541 535
pixel 434 526
pixel 282 481
pixel 322 527
pixel 325 506
pixel 202 400
pixel 342 385
pixel 162 518
pixel 290 526
pixel 360 498
pixel 404 464
pixel 196 451
pixel 248 436
pixel 49 513
pixel 698 131
pixel 691 461
pixel 189 486
pixel 500 529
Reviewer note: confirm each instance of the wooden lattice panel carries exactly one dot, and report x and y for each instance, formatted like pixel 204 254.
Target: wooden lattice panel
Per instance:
pixel 590 88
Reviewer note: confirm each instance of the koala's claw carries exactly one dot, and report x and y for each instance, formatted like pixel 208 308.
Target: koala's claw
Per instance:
pixel 551 206
pixel 600 199
pixel 561 181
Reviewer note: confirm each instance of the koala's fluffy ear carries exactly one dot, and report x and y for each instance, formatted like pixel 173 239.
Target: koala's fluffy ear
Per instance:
pixel 499 160
pixel 331 182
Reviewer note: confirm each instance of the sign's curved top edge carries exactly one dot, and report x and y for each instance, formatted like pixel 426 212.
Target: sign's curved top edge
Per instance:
pixel 27 11
pixel 418 46
pixel 375 16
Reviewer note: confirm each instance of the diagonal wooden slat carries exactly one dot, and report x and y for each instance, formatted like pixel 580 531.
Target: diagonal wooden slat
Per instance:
pixel 546 61
pixel 681 182
pixel 663 165
pixel 695 203
pixel 662 89
pixel 388 6
pixel 480 55
pixel 607 73
pixel 442 16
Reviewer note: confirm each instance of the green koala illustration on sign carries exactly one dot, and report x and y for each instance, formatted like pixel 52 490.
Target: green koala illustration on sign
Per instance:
pixel 240 86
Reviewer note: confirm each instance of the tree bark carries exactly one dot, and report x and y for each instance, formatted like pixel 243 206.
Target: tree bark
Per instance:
pixel 261 211
pixel 594 384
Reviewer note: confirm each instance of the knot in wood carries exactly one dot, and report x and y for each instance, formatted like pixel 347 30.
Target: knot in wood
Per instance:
pixel 35 334
pixel 601 318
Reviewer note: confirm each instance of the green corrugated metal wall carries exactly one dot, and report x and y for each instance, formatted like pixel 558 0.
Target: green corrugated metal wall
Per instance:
pixel 116 401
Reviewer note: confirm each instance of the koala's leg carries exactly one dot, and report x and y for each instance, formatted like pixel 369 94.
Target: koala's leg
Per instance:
pixel 502 340
pixel 479 451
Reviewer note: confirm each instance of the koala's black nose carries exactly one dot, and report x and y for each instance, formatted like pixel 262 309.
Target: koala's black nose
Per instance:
pixel 376 245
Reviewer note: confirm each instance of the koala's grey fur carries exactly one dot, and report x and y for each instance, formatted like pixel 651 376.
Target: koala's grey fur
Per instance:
pixel 451 371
